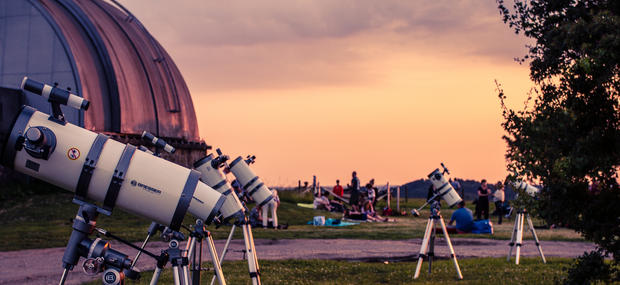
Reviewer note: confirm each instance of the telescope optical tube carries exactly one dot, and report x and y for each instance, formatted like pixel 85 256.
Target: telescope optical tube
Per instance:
pixel 96 167
pixel 444 188
pixel 212 175
pixel 529 189
pixel 250 182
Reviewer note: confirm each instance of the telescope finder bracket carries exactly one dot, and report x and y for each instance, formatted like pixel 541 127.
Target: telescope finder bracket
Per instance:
pixel 56 97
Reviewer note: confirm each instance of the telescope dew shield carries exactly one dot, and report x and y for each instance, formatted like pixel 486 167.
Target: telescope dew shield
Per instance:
pixel 214 177
pixel 444 188
pixel 250 182
pixel 529 189
pixel 96 167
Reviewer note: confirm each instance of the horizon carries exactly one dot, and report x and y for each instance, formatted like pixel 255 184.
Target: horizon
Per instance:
pixel 388 89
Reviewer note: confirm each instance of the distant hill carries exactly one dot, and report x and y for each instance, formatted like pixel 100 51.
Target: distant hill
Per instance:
pixel 419 189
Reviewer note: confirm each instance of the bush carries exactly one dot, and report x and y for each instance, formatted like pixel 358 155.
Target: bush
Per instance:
pixel 592 268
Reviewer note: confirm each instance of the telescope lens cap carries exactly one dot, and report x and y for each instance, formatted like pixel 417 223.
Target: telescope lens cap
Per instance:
pixel 34 135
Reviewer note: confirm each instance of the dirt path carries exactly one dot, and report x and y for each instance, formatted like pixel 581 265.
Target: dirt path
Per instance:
pixel 43 266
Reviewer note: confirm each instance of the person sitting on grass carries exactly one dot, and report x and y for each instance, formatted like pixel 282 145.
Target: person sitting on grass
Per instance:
pixel 371 214
pixel 464 220
pixel 354 215
pixel 322 203
pixel 256 220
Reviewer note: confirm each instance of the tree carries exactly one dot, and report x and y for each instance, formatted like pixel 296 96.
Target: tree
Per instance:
pixel 569 138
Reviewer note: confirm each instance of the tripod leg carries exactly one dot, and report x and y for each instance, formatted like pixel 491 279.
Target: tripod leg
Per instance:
pixel 253 247
pixel 216 261
pixel 156 274
pixel 185 274
pixel 251 254
pixel 423 248
pixel 63 278
pixel 189 248
pixel 431 246
pixel 531 226
pixel 452 254
pixel 175 275
pixel 513 237
pixel 135 260
pixel 225 250
pixel 519 238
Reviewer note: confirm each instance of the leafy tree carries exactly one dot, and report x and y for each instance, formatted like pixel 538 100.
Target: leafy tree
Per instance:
pixel 568 138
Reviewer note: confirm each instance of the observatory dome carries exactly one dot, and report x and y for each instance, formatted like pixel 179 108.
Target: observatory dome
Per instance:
pixel 103 53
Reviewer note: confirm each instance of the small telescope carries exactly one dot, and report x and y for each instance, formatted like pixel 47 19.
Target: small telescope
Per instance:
pixel 56 97
pixel 250 181
pixel 98 168
pixel 54 94
pixel 443 189
pixel 527 188
pixel 210 168
pixel 157 142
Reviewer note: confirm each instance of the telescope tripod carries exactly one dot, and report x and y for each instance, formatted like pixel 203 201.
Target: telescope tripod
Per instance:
pixel 428 243
pixel 180 259
pixel 517 236
pixel 250 250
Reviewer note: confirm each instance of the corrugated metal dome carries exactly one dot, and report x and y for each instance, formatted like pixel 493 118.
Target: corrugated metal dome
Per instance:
pixel 100 50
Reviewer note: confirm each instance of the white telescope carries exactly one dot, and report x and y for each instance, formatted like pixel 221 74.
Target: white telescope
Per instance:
pixel 96 167
pixel 444 188
pixel 529 189
pixel 249 181
pixel 211 174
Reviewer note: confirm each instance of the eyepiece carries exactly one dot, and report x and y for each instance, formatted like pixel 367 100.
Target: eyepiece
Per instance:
pixel 54 94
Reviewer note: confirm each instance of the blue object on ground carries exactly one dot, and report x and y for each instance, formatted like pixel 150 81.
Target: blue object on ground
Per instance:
pixel 335 223
pixel 482 227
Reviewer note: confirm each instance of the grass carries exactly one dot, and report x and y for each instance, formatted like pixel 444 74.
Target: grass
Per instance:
pixel 41 219
pixel 475 271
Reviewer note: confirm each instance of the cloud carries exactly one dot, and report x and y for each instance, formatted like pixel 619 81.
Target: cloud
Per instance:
pixel 293 44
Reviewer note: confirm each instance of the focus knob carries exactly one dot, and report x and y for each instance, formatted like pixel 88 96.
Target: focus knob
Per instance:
pixel 34 135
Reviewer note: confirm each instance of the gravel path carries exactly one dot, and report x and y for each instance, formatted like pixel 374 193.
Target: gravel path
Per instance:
pixel 43 266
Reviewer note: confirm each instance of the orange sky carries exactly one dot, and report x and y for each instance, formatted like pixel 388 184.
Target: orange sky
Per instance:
pixel 387 88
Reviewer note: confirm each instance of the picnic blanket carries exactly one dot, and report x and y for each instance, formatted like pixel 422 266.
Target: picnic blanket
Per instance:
pixel 335 223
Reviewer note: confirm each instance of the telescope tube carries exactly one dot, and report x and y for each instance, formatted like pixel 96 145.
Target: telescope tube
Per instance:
pixel 250 182
pixel 213 176
pixel 96 167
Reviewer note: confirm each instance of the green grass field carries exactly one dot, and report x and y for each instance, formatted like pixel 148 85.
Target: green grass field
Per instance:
pixel 43 220
pixel 475 271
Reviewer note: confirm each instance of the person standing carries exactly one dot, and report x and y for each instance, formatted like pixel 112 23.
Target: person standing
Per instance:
pixel 499 196
pixel 272 207
pixel 338 189
pixel 371 192
pixel 355 191
pixel 483 200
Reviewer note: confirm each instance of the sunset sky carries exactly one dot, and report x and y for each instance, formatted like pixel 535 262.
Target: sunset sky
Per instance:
pixel 313 87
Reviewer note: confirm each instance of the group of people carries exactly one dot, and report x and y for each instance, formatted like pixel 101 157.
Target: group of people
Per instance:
pixel 464 218
pixel 482 204
pixel 362 200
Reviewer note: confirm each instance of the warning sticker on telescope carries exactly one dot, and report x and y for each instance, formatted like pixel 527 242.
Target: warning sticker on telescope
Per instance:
pixel 73 153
